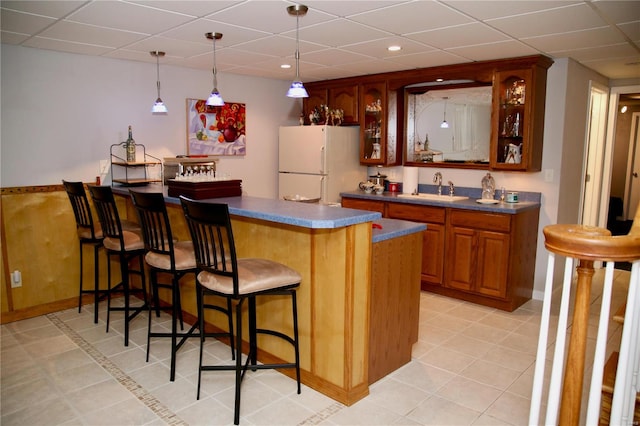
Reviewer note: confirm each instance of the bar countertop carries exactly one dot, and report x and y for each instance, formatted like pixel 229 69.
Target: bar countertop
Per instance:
pixel 314 216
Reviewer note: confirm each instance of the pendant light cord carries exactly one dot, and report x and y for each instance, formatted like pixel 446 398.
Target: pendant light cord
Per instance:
pixel 158 72
pixel 298 46
pixel 215 77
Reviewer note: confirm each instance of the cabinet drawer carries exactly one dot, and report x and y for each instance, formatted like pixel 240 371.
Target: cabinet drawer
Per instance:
pixel 416 213
pixel 476 220
pixel 352 203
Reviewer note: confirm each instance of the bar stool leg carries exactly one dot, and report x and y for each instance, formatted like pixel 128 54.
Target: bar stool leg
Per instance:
pixel 96 281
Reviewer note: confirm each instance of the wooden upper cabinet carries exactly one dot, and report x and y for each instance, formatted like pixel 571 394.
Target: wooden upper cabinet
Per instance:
pixel 517 119
pixel 346 99
pixel 317 96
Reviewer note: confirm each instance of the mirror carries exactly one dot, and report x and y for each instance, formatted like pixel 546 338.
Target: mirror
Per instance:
pixel 447 125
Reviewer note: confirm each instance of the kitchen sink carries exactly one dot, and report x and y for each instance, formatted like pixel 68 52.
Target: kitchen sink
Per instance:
pixel 434 197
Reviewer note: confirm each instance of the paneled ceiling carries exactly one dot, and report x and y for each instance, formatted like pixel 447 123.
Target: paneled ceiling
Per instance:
pixel 337 38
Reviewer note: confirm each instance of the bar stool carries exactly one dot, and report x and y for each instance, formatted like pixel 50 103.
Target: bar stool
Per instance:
pixel 89 233
pixel 238 280
pixel 127 246
pixel 169 256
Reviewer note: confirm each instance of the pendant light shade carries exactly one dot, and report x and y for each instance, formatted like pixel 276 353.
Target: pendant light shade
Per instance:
pixel 444 124
pixel 158 107
pixel 214 98
pixel 297 89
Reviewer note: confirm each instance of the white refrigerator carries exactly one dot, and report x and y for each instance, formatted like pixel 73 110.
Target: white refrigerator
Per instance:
pixel 319 162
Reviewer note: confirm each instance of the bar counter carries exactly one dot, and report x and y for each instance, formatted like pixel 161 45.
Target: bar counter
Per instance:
pixel 358 301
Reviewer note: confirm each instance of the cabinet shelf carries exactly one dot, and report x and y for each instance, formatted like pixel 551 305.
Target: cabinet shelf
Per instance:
pixel 133 173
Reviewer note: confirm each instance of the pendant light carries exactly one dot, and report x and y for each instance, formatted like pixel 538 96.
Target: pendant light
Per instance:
pixel 214 98
pixel 444 124
pixel 158 107
pixel 297 89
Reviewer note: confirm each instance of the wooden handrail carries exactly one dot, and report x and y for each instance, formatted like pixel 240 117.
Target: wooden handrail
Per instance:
pixel 587 244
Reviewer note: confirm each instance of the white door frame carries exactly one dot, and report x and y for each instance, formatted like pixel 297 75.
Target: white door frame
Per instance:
pixel 593 161
pixel 633 163
pixel 614 98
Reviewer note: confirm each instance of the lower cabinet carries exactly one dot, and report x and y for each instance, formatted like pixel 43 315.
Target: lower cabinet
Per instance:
pixel 482 257
pixel 478 252
pixel 434 237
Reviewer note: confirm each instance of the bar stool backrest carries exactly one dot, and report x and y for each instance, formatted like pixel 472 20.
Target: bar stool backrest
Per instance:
pixel 212 236
pixel 105 205
pixel 81 210
pixel 154 221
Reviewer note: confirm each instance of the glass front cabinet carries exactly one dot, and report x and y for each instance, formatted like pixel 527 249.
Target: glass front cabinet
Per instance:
pixel 373 131
pixel 518 119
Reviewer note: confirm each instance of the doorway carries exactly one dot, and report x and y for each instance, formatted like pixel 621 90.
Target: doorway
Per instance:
pixel 632 187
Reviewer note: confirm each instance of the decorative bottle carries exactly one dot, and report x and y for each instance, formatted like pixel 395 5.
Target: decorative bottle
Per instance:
pixel 131 147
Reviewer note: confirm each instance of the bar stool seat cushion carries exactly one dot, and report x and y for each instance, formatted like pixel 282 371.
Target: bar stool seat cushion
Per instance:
pixel 126 225
pixel 184 257
pixel 132 241
pixel 85 233
pixel 254 275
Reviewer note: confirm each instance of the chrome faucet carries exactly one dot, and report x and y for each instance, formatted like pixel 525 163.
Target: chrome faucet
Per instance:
pixel 451 189
pixel 437 179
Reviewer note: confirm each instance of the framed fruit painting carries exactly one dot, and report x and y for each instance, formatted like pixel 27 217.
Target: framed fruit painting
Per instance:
pixel 215 130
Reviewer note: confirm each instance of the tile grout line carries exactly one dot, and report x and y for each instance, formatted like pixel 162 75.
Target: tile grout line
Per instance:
pixel 124 379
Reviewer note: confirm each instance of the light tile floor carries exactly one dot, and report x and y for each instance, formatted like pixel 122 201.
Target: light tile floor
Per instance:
pixel 472 365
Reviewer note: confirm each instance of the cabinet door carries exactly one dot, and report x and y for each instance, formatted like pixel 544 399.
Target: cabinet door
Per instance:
pixel 373 129
pixel 492 264
pixel 433 254
pixel 346 99
pixel 516 140
pixel 317 97
pixel 434 237
pixel 461 258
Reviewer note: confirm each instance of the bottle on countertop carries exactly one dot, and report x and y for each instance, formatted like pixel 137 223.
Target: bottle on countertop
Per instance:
pixel 131 147
pixel 488 187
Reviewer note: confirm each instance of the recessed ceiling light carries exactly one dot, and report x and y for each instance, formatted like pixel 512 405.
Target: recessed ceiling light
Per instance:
pixel 394 48
pixel 285 66
pixel 439 80
pixel 623 109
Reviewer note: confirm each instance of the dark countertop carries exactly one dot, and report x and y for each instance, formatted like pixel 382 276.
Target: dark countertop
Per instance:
pixel 527 201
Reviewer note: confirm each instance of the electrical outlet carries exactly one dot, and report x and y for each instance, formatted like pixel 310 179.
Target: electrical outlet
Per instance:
pixel 104 167
pixel 16 279
pixel 548 175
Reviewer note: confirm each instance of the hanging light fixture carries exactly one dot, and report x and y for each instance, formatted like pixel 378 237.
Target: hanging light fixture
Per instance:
pixel 158 107
pixel 297 89
pixel 214 98
pixel 444 124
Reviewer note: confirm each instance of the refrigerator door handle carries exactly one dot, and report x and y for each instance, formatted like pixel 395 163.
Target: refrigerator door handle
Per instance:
pixel 322 195
pixel 322 159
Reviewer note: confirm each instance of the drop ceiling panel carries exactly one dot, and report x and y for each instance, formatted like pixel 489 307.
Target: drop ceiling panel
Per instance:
pixel 491 9
pixel 196 8
pixel 412 17
pixel 602 36
pixel 486 52
pixel 619 11
pixel 65 46
pixel 340 32
pixel 23 23
pixel 554 21
pixel 53 9
pixel 90 34
pixel 460 35
pixel 231 35
pixel 128 17
pixel 378 48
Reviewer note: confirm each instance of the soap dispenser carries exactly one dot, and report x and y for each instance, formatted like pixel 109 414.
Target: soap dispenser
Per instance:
pixel 488 187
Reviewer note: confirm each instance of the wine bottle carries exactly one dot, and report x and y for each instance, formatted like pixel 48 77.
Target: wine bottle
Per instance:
pixel 131 148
